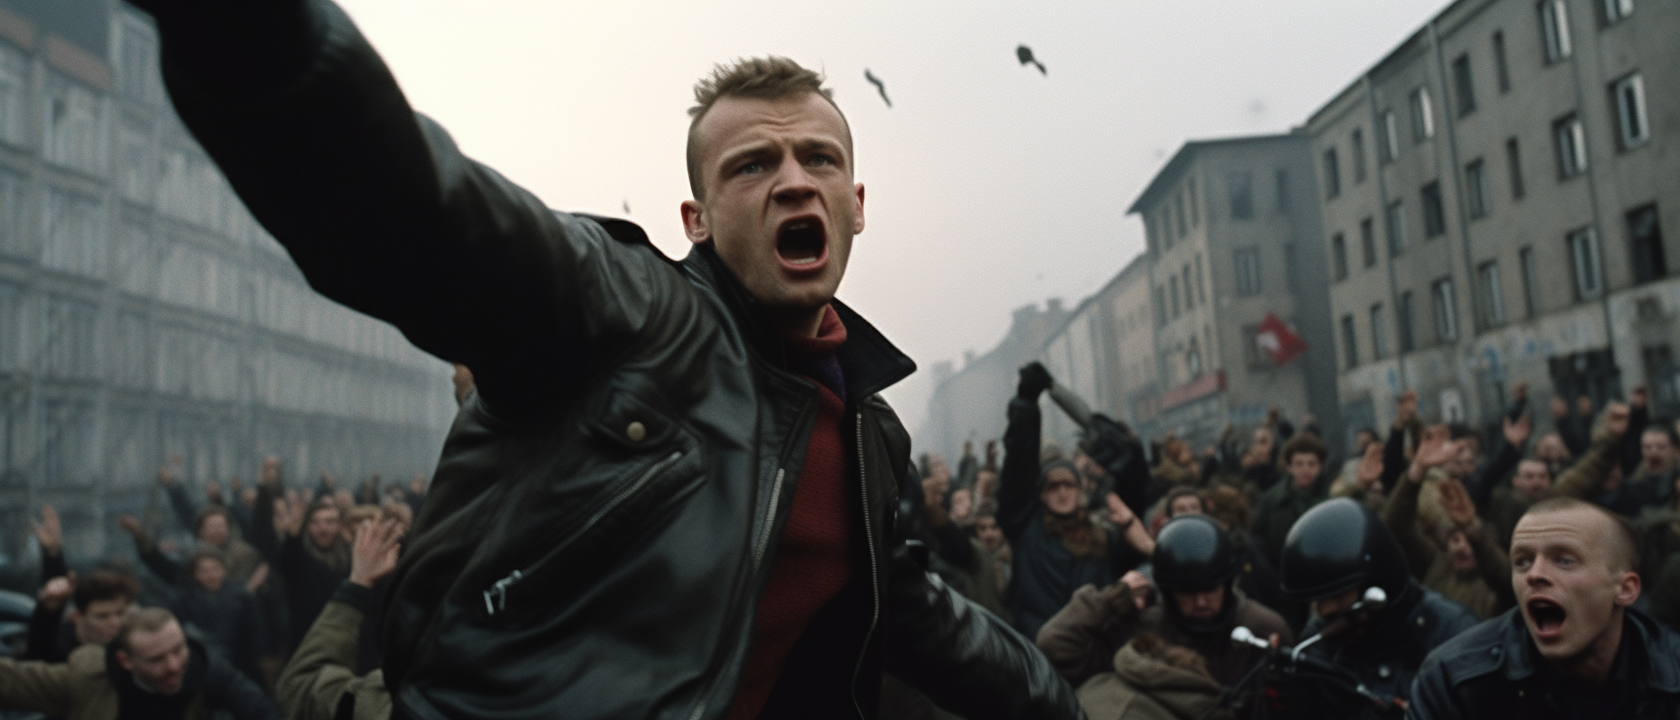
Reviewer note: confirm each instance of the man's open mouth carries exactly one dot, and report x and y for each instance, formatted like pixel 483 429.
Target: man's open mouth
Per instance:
pixel 801 243
pixel 1547 617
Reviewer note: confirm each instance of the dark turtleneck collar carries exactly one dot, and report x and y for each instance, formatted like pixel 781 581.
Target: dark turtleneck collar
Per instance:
pixel 868 361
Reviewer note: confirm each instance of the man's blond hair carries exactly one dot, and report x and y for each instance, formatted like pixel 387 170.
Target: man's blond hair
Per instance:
pixel 765 78
pixel 146 620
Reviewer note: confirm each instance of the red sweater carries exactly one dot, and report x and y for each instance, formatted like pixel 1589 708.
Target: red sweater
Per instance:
pixel 813 561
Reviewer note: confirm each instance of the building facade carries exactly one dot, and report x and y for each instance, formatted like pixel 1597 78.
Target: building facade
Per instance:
pixel 1234 235
pixel 1105 352
pixel 144 313
pixel 1494 194
pixel 968 404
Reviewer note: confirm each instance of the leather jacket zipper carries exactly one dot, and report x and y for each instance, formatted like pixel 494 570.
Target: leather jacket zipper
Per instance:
pixel 495 597
pixel 769 520
pixel 874 574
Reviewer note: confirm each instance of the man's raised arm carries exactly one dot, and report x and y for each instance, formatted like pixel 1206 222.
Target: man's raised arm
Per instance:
pixel 379 208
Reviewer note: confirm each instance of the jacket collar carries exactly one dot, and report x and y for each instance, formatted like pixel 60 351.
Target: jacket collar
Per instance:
pixel 127 686
pixel 1661 650
pixel 869 361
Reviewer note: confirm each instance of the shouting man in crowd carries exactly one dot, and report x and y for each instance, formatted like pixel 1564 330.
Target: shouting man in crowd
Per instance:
pixel 1574 646
pixel 673 492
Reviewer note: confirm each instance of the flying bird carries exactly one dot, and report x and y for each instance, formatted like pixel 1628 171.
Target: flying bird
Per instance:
pixel 626 207
pixel 878 85
pixel 1024 54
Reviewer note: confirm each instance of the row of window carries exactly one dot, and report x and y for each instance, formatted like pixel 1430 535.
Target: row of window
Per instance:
pixel 1554 40
pixel 1572 161
pixel 1633 129
pixel 1175 297
pixel 1587 278
pixel 1554 24
pixel 1174 218
pixel 1443 303
pixel 1626 96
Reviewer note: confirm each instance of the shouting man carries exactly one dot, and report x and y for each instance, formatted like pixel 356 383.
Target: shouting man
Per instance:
pixel 1574 646
pixel 674 490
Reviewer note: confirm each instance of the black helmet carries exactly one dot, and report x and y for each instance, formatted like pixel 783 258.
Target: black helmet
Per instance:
pixel 1339 546
pixel 1192 554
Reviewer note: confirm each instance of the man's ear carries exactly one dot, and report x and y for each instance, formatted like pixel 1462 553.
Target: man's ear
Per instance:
pixel 122 659
pixel 1627 589
pixel 694 222
pixel 857 222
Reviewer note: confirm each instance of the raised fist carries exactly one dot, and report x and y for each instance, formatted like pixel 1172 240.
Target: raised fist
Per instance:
pixel 1034 380
pixel 55 593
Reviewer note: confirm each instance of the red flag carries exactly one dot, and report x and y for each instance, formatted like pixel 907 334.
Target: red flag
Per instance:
pixel 1278 340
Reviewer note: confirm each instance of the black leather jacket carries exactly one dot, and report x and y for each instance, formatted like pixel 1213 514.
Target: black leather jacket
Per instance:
pixel 605 512
pixel 1384 657
pixel 1492 670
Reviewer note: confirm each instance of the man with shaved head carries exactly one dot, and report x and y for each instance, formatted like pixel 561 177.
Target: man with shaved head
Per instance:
pixel 1574 647
pixel 674 489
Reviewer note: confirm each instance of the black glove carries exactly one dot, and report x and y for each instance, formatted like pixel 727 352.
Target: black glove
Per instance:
pixel 1034 380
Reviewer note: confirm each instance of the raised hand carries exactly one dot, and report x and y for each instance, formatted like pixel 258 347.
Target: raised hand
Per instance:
pixel 1369 471
pixel 48 531
pixel 934 488
pixel 258 577
pixel 57 591
pixel 1405 409
pixel 1516 433
pixel 1138 587
pixel 1034 380
pixel 1616 416
pixel 1434 449
pixel 1560 408
pixel 1118 512
pixel 374 554
pixel 1455 501
pixel 288 517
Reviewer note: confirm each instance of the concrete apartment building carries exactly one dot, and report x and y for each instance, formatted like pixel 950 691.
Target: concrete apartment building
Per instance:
pixel 144 313
pixel 968 403
pixel 1494 195
pixel 1105 352
pixel 1233 235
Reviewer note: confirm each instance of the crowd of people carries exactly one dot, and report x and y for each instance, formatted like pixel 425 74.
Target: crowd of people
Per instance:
pixel 259 614
pixel 1435 572
pixel 1426 575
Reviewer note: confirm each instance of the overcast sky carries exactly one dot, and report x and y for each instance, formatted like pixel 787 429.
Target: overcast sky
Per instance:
pixel 988 185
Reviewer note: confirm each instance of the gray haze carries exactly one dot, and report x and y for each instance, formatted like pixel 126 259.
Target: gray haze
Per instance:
pixel 988 185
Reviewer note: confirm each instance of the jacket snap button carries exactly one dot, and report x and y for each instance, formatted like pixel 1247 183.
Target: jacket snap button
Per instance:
pixel 1420 622
pixel 636 431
